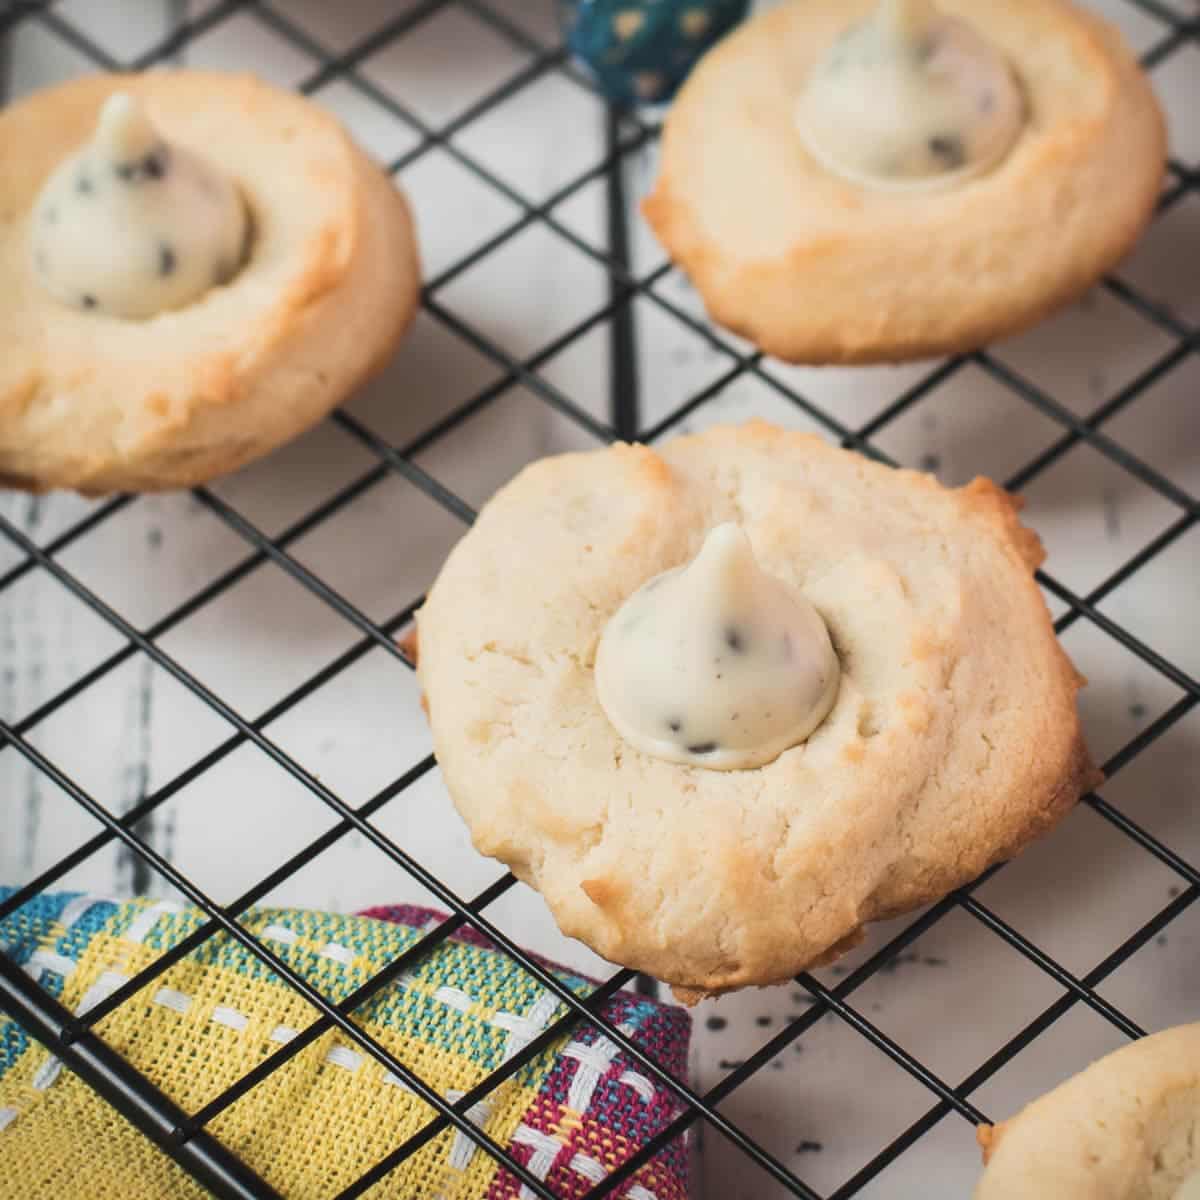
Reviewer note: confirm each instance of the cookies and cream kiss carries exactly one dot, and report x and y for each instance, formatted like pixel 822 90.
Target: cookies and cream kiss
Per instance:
pixel 910 98
pixel 131 225
pixel 716 664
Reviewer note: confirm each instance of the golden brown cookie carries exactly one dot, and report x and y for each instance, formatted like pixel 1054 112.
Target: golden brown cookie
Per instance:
pixel 953 741
pixel 1124 1129
pixel 97 402
pixel 813 268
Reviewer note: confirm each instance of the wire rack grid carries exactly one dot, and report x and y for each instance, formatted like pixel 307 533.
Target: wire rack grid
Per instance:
pixel 631 292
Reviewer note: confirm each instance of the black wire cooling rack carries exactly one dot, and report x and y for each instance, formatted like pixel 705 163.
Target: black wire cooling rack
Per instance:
pixel 183 1135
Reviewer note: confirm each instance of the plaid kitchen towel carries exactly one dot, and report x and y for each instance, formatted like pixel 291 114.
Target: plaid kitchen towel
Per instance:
pixel 570 1115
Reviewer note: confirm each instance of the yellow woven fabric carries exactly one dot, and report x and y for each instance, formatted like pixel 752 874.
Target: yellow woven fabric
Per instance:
pixel 331 1112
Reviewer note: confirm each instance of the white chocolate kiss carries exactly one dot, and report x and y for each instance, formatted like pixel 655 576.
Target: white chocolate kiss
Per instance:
pixel 131 226
pixel 910 99
pixel 716 664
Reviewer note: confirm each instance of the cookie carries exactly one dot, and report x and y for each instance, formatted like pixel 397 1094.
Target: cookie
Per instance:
pixel 1123 1129
pixel 196 267
pixel 761 197
pixel 952 741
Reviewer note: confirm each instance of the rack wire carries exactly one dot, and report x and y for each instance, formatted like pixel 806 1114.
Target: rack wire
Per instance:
pixel 184 1135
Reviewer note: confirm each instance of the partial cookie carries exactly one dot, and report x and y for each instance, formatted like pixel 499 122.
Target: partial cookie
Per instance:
pixel 98 401
pixel 815 268
pixel 1127 1128
pixel 953 740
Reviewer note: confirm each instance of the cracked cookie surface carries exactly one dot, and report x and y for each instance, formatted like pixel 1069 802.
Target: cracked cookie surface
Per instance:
pixel 954 739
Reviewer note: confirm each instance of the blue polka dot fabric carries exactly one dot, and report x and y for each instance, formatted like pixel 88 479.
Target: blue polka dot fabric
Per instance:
pixel 640 51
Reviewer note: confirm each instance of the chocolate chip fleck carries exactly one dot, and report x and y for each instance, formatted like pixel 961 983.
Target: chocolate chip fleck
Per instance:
pixel 154 165
pixel 807 1147
pixel 166 259
pixel 716 1024
pixel 87 300
pixel 675 725
pixel 949 148
pixel 733 639
pixel 83 185
pixel 702 748
pixel 925 49
pixel 731 1064
pixel 762 1022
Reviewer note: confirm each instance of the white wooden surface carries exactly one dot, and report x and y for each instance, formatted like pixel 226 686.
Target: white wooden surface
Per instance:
pixel 828 1103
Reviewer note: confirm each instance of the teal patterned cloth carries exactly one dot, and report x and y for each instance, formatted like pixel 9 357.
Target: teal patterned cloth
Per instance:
pixel 640 51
